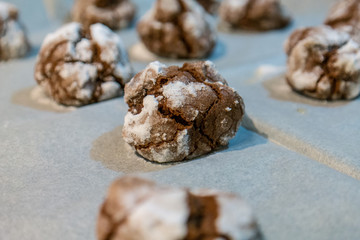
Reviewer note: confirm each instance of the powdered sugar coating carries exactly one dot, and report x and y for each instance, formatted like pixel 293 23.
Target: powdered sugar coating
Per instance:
pixel 165 153
pixel 177 29
pixel 83 50
pixel 69 32
pixel 243 222
pixel 13 39
pixel 5 9
pixel 177 92
pixel 77 67
pixel 80 75
pixel 180 113
pixel 169 212
pixel 107 40
pixel 138 126
pixel 138 208
pixel 323 63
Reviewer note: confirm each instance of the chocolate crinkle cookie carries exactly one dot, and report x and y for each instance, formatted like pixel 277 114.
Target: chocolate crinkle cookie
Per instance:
pixel 115 14
pixel 345 16
pixel 178 113
pixel 323 63
pixel 13 39
pixel 255 15
pixel 177 29
pixel 77 67
pixel 138 209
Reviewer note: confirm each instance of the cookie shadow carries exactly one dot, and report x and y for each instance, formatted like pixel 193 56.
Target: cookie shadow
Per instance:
pixel 219 51
pixel 246 137
pixel 114 153
pixel 223 27
pixel 278 89
pixel 34 51
pixel 35 98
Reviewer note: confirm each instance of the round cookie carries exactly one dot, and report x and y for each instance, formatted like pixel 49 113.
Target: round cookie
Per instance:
pixel 13 40
pixel 323 63
pixel 115 14
pixel 77 67
pixel 177 29
pixel 178 113
pixel 139 209
pixel 345 16
pixel 257 15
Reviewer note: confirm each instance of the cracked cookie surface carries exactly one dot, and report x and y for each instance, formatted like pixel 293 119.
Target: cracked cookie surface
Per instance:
pixel 177 29
pixel 116 14
pixel 257 15
pixel 77 67
pixel 13 39
pixel 323 63
pixel 138 209
pixel 178 113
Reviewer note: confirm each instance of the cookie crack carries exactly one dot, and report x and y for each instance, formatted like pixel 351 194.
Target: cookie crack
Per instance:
pixel 331 52
pixel 203 213
pixel 218 96
pixel 170 113
pixel 117 224
pixel 51 52
pixel 151 144
pixel 302 36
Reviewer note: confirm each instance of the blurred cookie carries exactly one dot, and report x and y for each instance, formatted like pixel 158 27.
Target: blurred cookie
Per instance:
pixel 115 14
pixel 77 67
pixel 257 15
pixel 323 63
pixel 13 39
pixel 139 209
pixel 344 16
pixel 177 29
pixel 178 113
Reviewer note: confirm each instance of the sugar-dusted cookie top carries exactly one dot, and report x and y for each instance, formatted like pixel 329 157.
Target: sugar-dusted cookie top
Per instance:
pixel 77 67
pixel 178 113
pixel 177 29
pixel 323 63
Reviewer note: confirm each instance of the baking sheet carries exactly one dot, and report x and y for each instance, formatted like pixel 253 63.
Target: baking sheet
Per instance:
pixel 55 166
